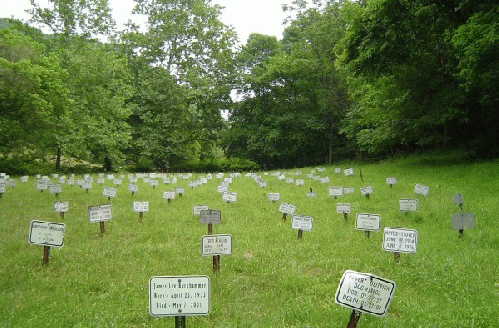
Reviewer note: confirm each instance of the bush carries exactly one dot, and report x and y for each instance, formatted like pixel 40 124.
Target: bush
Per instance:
pixel 233 164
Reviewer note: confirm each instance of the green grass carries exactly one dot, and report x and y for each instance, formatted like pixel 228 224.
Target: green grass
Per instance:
pixel 272 278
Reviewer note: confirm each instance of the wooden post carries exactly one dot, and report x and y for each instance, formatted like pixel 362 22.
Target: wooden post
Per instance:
pixel 461 231
pixel 46 253
pixel 62 215
pixel 284 216
pixel 300 234
pixel 210 228
pixel 102 228
pixel 396 256
pixel 368 233
pixel 354 318
pixel 141 215
pixel 169 200
pixel 216 263
pixel 345 216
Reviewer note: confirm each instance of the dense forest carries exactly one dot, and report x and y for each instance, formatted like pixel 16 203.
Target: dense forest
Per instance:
pixel 347 78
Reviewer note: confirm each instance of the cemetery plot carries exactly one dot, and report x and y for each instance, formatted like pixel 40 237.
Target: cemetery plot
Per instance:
pixel 46 233
pixel 364 292
pixel 367 222
pixel 399 240
pixel 179 296
pixel 216 245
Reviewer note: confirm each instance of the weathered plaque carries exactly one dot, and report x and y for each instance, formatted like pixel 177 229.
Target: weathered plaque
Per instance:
pixel 179 296
pixel 367 222
pixel 300 182
pixel 179 190
pixel 462 221
pixel 168 194
pixel 229 197
pixel 348 172
pixel 408 205
pixel 302 222
pixel 216 245
pixel 99 213
pixel 366 191
pixel 399 240
pixel 210 217
pixel 42 185
pixel 133 188
pixel 347 191
pixel 337 170
pixel 55 188
pixel 421 189
pixel 311 195
pixel 364 292
pixel 46 233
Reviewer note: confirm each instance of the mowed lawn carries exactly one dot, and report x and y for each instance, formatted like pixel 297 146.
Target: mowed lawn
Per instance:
pixel 272 278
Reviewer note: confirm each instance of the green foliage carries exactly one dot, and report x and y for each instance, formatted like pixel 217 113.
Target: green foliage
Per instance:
pixel 232 164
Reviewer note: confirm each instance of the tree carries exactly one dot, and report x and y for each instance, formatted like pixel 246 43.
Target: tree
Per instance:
pixel 33 97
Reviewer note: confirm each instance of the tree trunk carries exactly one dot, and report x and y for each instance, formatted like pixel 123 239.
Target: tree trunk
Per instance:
pixel 58 159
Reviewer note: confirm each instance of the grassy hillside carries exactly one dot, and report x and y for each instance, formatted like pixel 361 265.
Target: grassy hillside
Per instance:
pixel 272 278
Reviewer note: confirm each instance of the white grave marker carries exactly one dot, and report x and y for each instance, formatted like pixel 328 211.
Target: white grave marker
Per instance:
pixel 343 208
pixel 335 191
pixel 99 213
pixel 461 221
pixel 179 296
pixel 141 207
pixel 61 207
pixel 109 192
pixel 408 205
pixel 196 209
pixel 399 240
pixel 46 233
pixel 210 217
pixel 286 208
pixel 364 292
pixel 367 222
pixel 301 222
pixel 273 196
pixel 421 189
pixel 216 245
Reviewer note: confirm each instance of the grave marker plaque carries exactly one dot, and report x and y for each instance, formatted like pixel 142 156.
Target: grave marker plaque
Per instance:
pixel 399 240
pixel 273 196
pixel 109 192
pixel 421 189
pixel 408 205
pixel 461 221
pixel 179 296
pixel 364 292
pixel 99 213
pixel 46 233
pixel 335 191
pixel 210 217
pixel 61 207
pixel 216 245
pixel 302 222
pixel 140 207
pixel 196 209
pixel 367 222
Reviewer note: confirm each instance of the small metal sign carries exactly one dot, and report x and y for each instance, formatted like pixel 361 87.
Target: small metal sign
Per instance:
pixel 273 196
pixel 421 189
pixel 347 191
pixel 42 185
pixel 133 188
pixel 109 192
pixel 462 221
pixel 216 245
pixel 141 207
pixel 99 213
pixel 179 296
pixel 168 194
pixel 61 207
pixel 348 172
pixel 179 190
pixel 229 197
pixel 46 233
pixel 366 191
pixel 287 208
pixel 458 199
pixel 367 222
pixel 302 222
pixel 399 240
pixel 364 292
pixel 311 195
pixel 196 209
pixel 391 181
pixel 55 188
pixel 335 191
pixel 210 217
pixel 408 205
pixel 343 208
pixel 299 182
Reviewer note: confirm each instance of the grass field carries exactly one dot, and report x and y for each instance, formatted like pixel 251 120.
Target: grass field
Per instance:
pixel 272 278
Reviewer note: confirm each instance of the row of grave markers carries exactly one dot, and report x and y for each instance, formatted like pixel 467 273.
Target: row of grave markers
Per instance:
pixel 396 240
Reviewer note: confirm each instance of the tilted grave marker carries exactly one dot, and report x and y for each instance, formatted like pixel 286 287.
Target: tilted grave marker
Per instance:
pixel 421 189
pixel 273 196
pixel 286 209
pixel 343 208
pixel 364 293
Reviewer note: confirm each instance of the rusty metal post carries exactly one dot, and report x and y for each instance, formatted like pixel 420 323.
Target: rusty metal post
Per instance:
pixel 102 227
pixel 300 234
pixel 396 256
